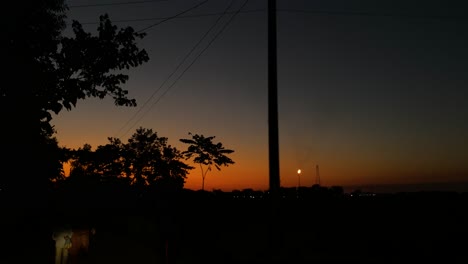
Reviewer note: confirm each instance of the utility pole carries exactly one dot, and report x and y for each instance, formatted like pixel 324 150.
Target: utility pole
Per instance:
pixel 275 233
pixel 273 101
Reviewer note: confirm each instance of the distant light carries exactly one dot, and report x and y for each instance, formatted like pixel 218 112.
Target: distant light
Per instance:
pixel 299 171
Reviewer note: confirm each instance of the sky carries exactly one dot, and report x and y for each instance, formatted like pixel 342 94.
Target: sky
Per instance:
pixel 371 92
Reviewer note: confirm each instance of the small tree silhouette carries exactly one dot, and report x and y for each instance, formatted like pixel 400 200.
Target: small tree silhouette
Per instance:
pixel 207 153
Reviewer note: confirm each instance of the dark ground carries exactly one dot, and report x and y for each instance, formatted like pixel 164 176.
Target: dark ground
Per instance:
pixel 390 229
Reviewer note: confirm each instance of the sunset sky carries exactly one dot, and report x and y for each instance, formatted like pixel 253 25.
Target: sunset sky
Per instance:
pixel 374 92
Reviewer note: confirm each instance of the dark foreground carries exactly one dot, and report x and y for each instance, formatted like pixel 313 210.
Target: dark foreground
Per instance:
pixel 391 229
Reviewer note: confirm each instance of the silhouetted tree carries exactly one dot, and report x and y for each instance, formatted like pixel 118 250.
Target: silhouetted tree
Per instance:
pixel 46 72
pixel 83 169
pixel 147 160
pixel 103 166
pixel 205 152
pixel 110 162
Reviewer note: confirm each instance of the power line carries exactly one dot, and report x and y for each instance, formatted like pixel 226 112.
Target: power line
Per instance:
pixel 370 14
pixel 193 62
pixel 226 11
pixel 115 4
pixel 314 12
pixel 174 16
pixel 178 66
pixel 185 16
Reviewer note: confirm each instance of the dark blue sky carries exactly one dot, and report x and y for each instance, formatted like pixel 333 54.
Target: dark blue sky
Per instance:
pixel 372 91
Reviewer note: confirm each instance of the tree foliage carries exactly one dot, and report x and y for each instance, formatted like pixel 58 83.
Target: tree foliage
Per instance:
pixel 47 72
pixel 145 160
pixel 206 153
pixel 58 70
pixel 105 165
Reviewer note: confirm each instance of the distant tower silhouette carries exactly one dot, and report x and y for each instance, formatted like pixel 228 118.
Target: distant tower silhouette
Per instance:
pixel 317 175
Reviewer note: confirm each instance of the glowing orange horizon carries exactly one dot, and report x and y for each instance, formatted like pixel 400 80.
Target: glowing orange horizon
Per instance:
pixel 341 164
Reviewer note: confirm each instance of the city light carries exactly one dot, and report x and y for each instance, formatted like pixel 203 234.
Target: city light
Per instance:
pixel 298 178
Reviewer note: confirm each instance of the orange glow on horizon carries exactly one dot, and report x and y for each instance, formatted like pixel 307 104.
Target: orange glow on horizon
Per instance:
pixel 249 174
pixel 338 168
